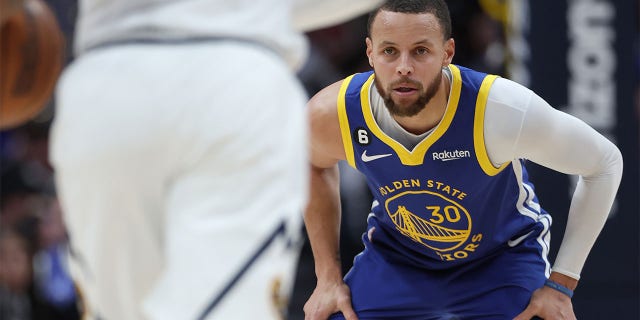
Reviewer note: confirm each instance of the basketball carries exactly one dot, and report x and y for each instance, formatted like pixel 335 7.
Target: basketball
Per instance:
pixel 31 59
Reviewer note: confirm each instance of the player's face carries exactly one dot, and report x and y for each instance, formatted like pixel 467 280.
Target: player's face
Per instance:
pixel 407 52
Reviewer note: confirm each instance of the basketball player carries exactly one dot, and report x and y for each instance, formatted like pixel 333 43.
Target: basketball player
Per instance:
pixel 456 230
pixel 179 147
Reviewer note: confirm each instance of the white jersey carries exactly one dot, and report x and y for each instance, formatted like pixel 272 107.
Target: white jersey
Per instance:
pixel 273 23
pixel 101 22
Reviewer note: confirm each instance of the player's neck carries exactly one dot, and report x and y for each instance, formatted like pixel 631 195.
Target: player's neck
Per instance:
pixel 431 115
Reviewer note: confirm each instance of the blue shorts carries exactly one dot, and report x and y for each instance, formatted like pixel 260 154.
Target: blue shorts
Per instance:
pixel 497 287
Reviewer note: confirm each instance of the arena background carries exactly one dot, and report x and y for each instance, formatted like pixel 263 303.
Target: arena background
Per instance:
pixel 580 55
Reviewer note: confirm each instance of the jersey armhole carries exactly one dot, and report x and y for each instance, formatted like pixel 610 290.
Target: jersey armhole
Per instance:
pixel 345 131
pixel 478 128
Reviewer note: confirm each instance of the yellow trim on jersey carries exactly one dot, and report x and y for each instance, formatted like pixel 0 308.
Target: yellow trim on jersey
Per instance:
pixel 415 157
pixel 344 122
pixel 478 128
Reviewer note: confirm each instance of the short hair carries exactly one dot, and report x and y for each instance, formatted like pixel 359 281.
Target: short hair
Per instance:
pixel 438 8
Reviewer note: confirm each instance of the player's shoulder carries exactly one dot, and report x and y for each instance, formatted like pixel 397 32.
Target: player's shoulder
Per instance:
pixel 323 105
pixel 509 93
pixel 327 96
pixel 326 141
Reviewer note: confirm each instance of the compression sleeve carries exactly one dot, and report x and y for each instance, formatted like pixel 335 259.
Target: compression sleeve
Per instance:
pixel 520 124
pixel 315 14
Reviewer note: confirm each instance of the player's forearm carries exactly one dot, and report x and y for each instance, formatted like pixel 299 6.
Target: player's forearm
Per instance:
pixel 590 206
pixel 572 147
pixel 322 220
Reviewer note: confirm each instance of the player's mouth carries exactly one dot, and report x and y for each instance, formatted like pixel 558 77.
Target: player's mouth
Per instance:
pixel 404 90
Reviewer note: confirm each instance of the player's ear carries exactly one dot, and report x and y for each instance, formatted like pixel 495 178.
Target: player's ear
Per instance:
pixel 449 51
pixel 369 50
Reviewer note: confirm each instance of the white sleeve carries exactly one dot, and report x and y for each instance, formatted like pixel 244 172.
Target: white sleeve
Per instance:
pixel 536 131
pixel 316 14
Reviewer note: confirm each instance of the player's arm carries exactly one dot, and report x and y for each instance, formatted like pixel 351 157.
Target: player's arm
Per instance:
pixel 9 8
pixel 322 216
pixel 313 14
pixel 566 144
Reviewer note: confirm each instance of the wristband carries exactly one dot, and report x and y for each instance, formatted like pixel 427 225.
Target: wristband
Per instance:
pixel 559 287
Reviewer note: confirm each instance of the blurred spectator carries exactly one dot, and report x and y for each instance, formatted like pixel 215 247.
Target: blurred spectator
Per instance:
pixel 16 299
pixel 479 37
pixel 34 282
pixel 51 273
pixel 20 298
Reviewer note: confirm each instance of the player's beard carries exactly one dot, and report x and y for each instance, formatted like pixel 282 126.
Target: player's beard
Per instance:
pixel 424 96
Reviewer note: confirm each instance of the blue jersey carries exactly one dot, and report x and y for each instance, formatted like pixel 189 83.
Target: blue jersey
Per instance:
pixel 442 204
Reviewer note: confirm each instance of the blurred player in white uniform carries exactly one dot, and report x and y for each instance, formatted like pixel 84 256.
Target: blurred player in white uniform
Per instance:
pixel 179 146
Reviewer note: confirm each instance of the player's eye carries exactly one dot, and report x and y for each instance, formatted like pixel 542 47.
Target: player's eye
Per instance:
pixel 389 51
pixel 422 50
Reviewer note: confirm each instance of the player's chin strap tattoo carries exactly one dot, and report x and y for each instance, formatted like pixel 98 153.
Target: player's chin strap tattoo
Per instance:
pixel 280 230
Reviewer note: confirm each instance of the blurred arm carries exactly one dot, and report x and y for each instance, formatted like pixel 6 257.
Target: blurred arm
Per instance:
pixel 317 14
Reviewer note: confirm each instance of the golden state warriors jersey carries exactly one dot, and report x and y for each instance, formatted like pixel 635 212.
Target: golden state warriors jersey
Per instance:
pixel 443 203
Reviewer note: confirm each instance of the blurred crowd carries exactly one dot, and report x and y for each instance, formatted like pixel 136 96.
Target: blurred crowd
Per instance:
pixel 34 281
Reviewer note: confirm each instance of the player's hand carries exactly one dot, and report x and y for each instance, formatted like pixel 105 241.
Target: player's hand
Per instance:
pixel 548 304
pixel 327 299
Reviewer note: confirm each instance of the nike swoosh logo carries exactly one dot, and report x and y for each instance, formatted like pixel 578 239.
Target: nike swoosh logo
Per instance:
pixel 516 241
pixel 367 158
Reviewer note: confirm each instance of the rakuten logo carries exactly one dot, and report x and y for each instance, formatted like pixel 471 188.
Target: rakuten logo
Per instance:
pixel 448 155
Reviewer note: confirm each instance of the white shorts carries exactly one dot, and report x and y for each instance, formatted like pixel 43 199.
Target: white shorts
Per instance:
pixel 175 164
